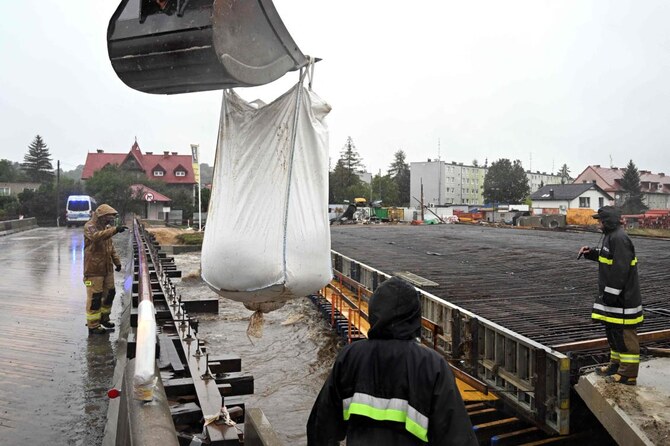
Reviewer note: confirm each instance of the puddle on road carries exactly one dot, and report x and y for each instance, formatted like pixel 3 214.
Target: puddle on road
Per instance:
pixel 289 363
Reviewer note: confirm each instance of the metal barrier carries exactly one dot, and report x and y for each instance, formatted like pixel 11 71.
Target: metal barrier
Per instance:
pixel 531 378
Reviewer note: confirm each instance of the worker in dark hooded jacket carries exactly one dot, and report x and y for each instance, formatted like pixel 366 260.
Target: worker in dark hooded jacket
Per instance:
pixel 100 260
pixel 389 389
pixel 619 303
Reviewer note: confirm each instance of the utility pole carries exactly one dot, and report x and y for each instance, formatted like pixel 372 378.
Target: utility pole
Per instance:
pixel 421 199
pixel 196 169
pixel 58 193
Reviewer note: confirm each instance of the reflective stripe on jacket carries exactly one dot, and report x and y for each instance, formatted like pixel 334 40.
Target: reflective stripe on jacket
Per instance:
pixel 619 301
pixel 390 392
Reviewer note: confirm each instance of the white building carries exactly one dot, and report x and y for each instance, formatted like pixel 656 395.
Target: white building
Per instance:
pixel 562 197
pixel 446 183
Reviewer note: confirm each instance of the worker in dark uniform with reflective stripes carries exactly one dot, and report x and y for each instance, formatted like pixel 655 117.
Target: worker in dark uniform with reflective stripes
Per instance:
pixel 619 303
pixel 100 260
pixel 389 389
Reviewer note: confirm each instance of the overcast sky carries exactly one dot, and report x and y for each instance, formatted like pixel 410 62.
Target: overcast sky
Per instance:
pixel 546 82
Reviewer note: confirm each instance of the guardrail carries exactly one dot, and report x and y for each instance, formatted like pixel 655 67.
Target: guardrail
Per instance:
pixel 531 378
pixel 11 226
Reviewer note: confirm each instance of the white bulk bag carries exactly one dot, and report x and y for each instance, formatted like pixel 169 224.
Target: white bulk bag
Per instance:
pixel 267 237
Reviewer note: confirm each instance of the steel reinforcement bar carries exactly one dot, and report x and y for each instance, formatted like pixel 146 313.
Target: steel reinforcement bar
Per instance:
pixel 532 379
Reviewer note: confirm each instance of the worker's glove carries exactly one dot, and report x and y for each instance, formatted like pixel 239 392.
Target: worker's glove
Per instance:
pixel 121 228
pixel 118 267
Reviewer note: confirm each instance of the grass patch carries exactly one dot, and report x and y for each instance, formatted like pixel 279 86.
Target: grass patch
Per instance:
pixel 649 232
pixel 190 238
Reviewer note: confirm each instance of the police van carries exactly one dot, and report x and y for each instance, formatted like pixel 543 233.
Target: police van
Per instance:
pixel 79 209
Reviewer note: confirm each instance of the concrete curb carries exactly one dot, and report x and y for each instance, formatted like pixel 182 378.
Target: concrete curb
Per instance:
pixel 13 226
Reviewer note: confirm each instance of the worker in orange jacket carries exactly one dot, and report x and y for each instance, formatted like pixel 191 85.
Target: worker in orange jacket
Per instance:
pixel 100 260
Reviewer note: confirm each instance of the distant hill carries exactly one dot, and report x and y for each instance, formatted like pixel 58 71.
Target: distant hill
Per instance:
pixel 74 174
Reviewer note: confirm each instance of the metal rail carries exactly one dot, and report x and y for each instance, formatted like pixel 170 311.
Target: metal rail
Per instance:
pixel 196 358
pixel 532 378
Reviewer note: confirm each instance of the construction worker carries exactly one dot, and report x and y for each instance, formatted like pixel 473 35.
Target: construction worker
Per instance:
pixel 389 389
pixel 619 303
pixel 100 260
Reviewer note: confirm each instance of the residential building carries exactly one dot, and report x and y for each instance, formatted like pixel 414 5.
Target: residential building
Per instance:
pixel 456 183
pixel 558 198
pixel 169 167
pixel 538 179
pixel 14 189
pixel 447 183
pixel 655 187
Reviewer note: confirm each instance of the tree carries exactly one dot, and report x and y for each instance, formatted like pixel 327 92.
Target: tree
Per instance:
pixel 630 183
pixel 385 188
pixel 505 182
pixel 565 174
pixel 11 172
pixel 399 173
pixel 37 162
pixel 111 185
pixel 344 182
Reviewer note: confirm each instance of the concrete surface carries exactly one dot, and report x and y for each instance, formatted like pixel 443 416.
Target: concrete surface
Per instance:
pixel 633 415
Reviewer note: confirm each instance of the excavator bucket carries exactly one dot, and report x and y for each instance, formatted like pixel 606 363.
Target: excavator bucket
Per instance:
pixel 182 46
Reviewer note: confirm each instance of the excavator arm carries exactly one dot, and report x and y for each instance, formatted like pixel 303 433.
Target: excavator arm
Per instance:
pixel 182 46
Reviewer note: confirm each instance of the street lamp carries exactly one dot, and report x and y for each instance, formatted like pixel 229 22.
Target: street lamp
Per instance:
pixel 495 200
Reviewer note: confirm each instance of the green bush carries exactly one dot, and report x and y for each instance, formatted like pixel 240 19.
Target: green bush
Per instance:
pixel 191 238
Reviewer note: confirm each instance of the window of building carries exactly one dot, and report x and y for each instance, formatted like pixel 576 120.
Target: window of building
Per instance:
pixel 601 202
pixel 158 173
pixel 180 173
pixel 584 202
pixel 5 191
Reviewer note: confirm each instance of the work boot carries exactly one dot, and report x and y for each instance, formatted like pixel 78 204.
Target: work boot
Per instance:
pixel 620 379
pixel 108 324
pixel 608 370
pixel 97 330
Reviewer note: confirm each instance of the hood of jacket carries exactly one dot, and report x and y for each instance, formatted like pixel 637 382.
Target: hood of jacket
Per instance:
pixel 394 311
pixel 610 217
pixel 103 210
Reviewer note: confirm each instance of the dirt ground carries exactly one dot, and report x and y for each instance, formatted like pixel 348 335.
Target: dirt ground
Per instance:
pixel 644 409
pixel 167 236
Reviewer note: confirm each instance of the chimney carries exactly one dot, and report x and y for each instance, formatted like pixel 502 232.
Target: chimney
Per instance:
pixel 661 174
pixel 551 193
pixel 100 151
pixel 174 153
pixel 166 152
pixel 596 165
pixel 149 153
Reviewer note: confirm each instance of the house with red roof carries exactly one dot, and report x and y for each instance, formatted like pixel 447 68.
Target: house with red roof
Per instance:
pixel 169 167
pixel 655 187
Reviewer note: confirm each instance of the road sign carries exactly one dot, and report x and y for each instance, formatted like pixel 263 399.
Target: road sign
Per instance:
pixel 149 196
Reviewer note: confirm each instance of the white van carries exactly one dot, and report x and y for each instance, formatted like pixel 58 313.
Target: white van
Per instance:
pixel 79 209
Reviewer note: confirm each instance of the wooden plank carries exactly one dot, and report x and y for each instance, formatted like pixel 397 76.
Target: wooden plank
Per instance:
pixel 169 352
pixel 415 279
pixel 601 343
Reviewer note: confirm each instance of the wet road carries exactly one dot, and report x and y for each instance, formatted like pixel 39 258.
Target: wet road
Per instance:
pixel 289 363
pixel 53 377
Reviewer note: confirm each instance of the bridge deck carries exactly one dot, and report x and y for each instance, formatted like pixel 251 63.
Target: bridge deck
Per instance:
pixel 53 376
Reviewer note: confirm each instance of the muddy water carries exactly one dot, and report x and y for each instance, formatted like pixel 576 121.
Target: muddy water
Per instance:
pixel 289 362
